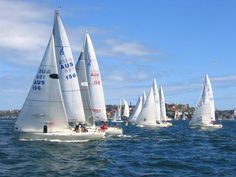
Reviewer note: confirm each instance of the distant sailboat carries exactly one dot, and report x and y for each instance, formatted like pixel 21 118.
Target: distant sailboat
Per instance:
pixel 117 115
pixel 43 115
pixel 137 110
pixel 126 109
pixel 69 81
pixel 164 117
pixel 147 116
pixel 204 114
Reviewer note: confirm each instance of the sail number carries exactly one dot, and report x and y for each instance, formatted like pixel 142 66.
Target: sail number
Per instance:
pixel 70 76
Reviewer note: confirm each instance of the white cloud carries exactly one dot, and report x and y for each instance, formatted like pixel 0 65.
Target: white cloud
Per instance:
pixel 24 30
pixel 113 47
pixel 224 78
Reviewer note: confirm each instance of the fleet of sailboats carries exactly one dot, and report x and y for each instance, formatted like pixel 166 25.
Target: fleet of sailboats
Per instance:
pixel 64 95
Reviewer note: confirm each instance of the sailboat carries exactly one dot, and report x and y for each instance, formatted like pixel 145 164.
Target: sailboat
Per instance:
pixel 163 115
pixel 43 115
pixel 159 121
pixel 147 116
pixel 137 110
pixel 204 114
pixel 126 109
pixel 117 115
pixel 95 86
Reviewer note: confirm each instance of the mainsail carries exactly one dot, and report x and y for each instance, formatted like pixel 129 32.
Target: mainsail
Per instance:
pixel 162 105
pixel 137 110
pixel 44 104
pixel 157 100
pixel 97 100
pixel 126 108
pixel 67 73
pixel 83 82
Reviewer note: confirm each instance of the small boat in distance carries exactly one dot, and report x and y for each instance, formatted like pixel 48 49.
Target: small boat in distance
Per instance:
pixel 204 114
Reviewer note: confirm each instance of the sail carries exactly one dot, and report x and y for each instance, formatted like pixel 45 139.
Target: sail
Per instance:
pixel 137 109
pixel 97 100
pixel 126 108
pixel 144 97
pixel 67 73
pixel 162 105
pixel 117 115
pixel 83 82
pixel 44 104
pixel 148 114
pixel 157 100
pixel 204 111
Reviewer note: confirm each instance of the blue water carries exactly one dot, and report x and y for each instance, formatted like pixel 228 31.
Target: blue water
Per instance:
pixel 175 151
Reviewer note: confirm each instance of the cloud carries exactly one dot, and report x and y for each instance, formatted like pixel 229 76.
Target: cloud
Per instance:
pixel 224 78
pixel 25 30
pixel 113 47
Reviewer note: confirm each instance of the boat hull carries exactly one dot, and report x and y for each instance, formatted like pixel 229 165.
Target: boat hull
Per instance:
pixel 61 136
pixel 205 126
pixel 113 131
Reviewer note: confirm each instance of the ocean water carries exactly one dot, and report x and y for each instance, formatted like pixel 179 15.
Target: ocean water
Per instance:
pixel 175 151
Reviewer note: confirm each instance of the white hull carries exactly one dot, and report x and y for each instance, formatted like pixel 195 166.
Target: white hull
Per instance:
pixel 113 131
pixel 165 124
pixel 61 136
pixel 205 126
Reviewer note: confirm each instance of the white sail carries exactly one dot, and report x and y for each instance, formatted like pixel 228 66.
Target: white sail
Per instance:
pixel 83 82
pixel 204 112
pixel 126 108
pixel 144 97
pixel 117 115
pixel 157 100
pixel 67 73
pixel 44 104
pixel 97 100
pixel 162 105
pixel 148 114
pixel 137 110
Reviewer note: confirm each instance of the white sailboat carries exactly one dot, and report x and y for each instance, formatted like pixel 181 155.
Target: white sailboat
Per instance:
pixel 137 110
pixel 95 87
pixel 43 115
pixel 117 115
pixel 147 116
pixel 163 115
pixel 126 109
pixel 204 114
pixel 68 78
pixel 160 123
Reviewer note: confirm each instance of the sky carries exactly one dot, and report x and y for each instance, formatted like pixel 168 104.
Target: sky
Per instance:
pixel 176 41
